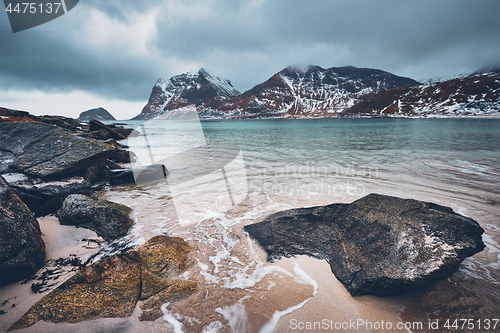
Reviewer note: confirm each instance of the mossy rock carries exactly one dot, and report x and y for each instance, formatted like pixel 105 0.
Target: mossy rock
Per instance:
pixel 113 286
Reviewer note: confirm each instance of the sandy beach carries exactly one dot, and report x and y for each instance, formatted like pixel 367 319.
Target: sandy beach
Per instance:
pixel 306 290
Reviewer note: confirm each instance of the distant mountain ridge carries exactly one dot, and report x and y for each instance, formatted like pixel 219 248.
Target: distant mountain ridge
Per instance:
pixel 316 92
pixel 474 95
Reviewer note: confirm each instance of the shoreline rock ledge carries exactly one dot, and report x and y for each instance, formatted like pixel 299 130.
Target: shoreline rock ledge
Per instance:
pixel 377 245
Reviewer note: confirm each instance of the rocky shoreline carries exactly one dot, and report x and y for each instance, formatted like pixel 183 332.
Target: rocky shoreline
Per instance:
pixel 53 165
pixel 377 245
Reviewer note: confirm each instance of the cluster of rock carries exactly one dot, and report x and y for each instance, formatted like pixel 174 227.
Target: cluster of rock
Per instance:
pixel 377 245
pixel 52 164
pixel 47 158
pixel 44 162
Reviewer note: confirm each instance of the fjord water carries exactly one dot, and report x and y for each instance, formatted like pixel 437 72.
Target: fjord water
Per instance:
pixel 302 163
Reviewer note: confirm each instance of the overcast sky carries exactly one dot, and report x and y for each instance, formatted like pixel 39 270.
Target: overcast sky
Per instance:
pixel 110 53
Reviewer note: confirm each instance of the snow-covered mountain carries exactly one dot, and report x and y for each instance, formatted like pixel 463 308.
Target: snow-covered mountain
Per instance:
pixel 183 90
pixel 291 93
pixel 315 92
pixel 474 95
pixel 318 93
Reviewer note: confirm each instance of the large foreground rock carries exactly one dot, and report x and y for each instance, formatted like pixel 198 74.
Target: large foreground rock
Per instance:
pixel 108 219
pixel 376 245
pixel 46 151
pixel 22 251
pixel 113 286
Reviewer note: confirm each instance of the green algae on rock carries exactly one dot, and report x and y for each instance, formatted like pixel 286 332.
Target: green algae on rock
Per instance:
pixel 113 286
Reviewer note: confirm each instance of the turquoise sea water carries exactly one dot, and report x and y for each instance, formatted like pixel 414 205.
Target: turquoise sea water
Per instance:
pixel 302 163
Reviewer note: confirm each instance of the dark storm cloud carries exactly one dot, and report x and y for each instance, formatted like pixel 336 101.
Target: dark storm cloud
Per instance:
pixel 118 49
pixel 47 64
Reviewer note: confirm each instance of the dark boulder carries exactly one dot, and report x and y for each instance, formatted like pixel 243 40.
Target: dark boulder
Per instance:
pixel 97 173
pixel 119 155
pixel 113 286
pixel 108 219
pixel 119 176
pixel 22 250
pixel 377 245
pixel 49 152
pixel 138 174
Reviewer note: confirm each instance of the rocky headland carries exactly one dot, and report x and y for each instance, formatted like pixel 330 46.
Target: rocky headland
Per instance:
pixel 377 245
pixel 54 165
pixel 96 114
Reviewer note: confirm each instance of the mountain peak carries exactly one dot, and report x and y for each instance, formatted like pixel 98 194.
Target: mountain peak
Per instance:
pixel 202 71
pixel 197 87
